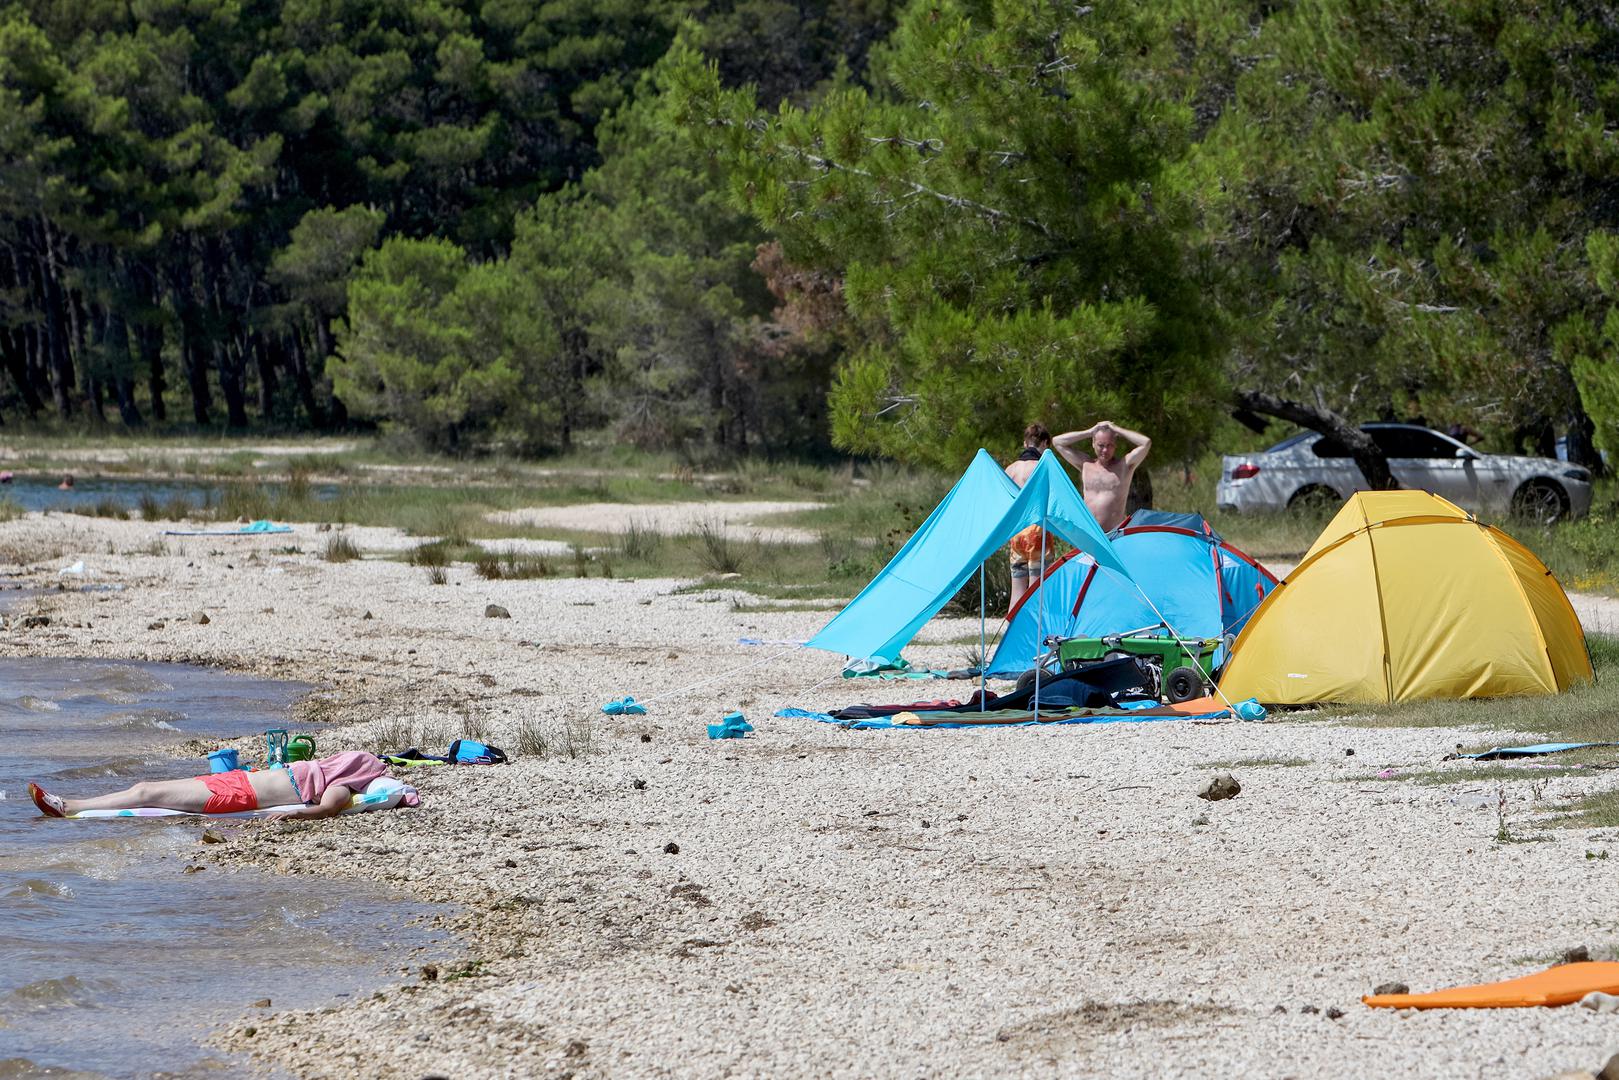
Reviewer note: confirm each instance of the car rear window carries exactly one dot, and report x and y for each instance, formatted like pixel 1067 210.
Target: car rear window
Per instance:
pixel 1290 442
pixel 1328 447
pixel 1410 442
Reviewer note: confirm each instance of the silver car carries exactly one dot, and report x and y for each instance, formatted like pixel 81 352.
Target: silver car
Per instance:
pixel 1313 469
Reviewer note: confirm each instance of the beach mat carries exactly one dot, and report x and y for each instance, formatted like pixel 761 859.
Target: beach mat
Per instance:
pixel 1561 985
pixel 1205 708
pixel 1535 750
pixel 257 528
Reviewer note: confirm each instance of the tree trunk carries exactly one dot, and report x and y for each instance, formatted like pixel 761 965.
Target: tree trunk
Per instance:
pixel 230 384
pixel 91 359
pixel 55 335
pixel 115 347
pixel 192 356
pixel 1140 494
pixel 267 354
pixel 1368 456
pixel 299 360
pixel 149 339
pixel 1581 444
pixel 196 376
pixel 15 346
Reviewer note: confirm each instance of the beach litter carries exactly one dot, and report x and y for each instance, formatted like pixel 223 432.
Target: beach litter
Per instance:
pixel 734 726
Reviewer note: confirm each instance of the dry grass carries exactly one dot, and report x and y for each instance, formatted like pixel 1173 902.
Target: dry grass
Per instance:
pixel 340 549
pixel 512 566
pixel 530 738
pixel 1587 713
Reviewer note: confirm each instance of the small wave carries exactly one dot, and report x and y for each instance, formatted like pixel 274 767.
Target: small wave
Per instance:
pixel 117 767
pixel 53 993
pixel 146 720
pixel 32 887
pixel 39 704
pixel 20 1068
pixel 121 678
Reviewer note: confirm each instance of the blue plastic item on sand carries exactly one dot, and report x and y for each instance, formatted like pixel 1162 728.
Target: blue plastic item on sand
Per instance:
pixel 223 761
pixel 1250 710
pixel 625 706
pixel 734 726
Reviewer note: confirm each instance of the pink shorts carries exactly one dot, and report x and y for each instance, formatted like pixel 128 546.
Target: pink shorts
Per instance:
pixel 229 793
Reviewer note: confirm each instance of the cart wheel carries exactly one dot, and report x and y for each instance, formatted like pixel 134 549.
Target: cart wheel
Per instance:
pixel 1025 680
pixel 1183 684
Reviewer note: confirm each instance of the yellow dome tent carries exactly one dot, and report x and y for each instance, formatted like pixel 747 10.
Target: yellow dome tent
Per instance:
pixel 1405 596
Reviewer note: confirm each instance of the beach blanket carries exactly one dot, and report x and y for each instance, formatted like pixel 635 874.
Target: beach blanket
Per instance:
pixel 1206 708
pixel 257 528
pixel 383 793
pixel 1526 751
pixel 914 673
pixel 1561 985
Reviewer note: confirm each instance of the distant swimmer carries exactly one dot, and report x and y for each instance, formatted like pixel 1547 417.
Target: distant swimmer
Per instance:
pixel 66 484
pixel 6 477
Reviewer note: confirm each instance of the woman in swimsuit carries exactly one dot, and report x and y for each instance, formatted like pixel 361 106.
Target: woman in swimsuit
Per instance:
pixel 324 788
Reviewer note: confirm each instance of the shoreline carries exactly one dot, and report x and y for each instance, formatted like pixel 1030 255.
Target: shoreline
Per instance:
pixel 1028 902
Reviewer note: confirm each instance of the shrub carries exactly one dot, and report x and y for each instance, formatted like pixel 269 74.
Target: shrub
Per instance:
pixel 530 740
pixel 340 549
pixel 640 541
pixel 435 554
pixel 511 566
pixel 715 549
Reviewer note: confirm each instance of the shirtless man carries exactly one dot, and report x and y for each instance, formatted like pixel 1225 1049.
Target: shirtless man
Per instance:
pixel 1105 478
pixel 1025 546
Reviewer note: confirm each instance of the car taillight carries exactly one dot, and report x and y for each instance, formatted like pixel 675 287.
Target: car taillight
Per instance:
pixel 1244 471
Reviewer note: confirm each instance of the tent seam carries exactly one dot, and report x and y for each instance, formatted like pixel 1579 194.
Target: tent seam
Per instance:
pixel 1490 533
pixel 1382 612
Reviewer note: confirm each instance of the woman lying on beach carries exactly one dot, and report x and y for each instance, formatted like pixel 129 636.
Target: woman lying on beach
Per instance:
pixel 324 787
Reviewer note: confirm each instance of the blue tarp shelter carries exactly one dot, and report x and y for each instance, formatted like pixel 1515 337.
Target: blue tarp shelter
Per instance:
pixel 1202 586
pixel 980 514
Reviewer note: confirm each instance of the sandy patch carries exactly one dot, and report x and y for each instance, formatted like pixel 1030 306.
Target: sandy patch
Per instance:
pixel 975 903
pixel 739 518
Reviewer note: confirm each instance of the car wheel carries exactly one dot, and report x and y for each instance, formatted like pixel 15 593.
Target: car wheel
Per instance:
pixel 1314 499
pixel 1541 502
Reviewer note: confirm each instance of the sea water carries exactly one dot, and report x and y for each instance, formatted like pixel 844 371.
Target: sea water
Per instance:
pixel 113 960
pixel 42 493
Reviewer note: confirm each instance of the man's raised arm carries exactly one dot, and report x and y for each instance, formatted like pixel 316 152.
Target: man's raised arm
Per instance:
pixel 1067 445
pixel 1138 453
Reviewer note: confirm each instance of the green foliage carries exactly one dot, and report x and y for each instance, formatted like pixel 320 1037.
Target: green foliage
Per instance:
pixel 1403 196
pixel 1010 217
pixel 446 351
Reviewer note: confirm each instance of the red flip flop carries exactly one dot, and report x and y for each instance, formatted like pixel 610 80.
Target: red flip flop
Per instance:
pixel 49 805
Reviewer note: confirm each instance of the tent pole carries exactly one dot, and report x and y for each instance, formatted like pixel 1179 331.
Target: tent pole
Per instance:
pixel 983 660
pixel 1174 634
pixel 1040 610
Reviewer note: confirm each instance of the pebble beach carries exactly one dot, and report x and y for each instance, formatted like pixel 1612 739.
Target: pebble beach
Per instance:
pixel 641 901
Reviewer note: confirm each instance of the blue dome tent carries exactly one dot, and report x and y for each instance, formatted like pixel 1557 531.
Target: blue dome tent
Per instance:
pixel 1202 585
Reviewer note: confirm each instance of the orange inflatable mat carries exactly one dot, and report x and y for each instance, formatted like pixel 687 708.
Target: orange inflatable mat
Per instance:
pixel 1561 985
